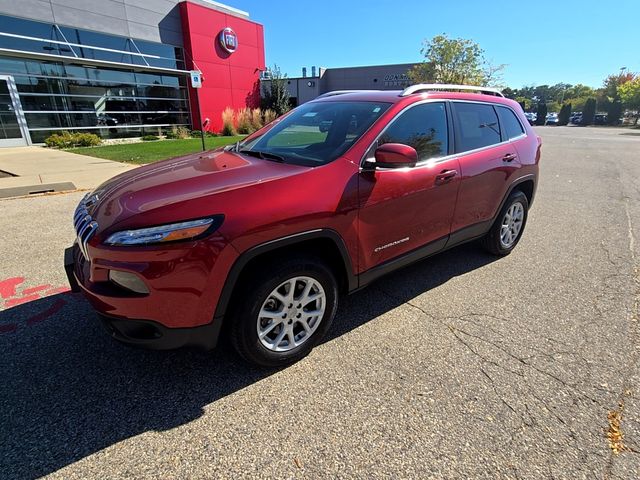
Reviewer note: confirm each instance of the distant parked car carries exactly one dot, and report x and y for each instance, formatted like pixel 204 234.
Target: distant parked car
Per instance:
pixel 531 117
pixel 552 119
pixel 600 119
pixel 576 118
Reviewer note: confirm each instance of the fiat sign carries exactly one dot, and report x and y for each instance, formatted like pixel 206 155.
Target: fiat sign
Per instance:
pixel 228 40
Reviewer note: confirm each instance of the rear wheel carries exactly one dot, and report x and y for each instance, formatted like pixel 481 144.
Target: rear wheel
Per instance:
pixel 283 311
pixel 506 231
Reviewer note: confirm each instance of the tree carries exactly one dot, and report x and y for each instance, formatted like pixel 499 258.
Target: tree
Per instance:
pixel 276 96
pixel 527 103
pixel 630 95
pixel 589 112
pixel 541 116
pixel 457 61
pixel 614 112
pixel 565 113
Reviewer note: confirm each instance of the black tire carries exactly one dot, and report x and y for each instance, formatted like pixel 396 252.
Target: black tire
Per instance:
pixel 491 241
pixel 253 293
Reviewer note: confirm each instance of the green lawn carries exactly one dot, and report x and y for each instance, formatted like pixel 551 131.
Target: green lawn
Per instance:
pixel 147 152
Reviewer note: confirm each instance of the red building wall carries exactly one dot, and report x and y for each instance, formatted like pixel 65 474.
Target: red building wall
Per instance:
pixel 229 79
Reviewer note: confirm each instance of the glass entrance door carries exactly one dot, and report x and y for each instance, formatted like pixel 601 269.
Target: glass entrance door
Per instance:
pixel 13 131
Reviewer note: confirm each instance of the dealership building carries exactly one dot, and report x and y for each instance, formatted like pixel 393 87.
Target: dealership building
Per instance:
pixel 121 68
pixel 316 81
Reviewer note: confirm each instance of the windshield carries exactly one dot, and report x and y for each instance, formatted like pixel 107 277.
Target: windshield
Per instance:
pixel 315 133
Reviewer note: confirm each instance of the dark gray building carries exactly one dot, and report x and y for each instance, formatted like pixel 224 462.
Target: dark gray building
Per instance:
pixel 314 82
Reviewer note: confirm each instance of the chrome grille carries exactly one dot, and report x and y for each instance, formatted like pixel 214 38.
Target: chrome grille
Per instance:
pixel 84 225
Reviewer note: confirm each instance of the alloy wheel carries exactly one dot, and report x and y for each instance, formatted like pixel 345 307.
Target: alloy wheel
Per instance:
pixel 291 314
pixel 511 225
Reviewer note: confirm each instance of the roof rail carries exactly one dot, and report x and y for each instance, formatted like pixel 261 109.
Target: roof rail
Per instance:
pixel 426 87
pixel 342 92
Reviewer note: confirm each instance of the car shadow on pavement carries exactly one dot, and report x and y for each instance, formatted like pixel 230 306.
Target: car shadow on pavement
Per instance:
pixel 68 390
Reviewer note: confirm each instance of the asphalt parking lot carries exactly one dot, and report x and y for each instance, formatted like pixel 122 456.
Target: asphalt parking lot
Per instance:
pixel 462 366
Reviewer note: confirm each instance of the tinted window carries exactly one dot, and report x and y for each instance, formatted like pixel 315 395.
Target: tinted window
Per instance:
pixel 423 127
pixel 476 126
pixel 511 126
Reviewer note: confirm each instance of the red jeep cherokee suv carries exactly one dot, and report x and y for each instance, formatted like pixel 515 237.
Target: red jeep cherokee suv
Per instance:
pixel 262 237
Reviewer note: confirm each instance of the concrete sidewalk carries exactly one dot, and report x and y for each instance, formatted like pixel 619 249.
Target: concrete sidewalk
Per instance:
pixel 34 167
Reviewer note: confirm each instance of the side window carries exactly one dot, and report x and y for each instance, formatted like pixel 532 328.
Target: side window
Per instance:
pixel 511 126
pixel 476 126
pixel 423 127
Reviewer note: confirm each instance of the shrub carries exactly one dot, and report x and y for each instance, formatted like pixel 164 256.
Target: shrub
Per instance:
pixel 68 140
pixel 228 127
pixel 243 118
pixel 150 138
pixel 589 112
pixel 614 112
pixel 256 119
pixel 541 115
pixel 178 132
pixel 269 116
pixel 565 114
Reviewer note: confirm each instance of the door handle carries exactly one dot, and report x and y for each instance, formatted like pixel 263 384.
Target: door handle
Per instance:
pixel 509 157
pixel 445 176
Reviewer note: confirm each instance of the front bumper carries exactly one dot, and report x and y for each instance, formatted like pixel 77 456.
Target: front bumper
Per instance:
pixel 134 331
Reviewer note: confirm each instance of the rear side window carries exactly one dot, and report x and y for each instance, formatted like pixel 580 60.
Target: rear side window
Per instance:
pixel 511 126
pixel 476 126
pixel 423 127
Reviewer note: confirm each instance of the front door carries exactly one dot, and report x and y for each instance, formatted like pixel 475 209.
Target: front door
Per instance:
pixel 407 208
pixel 13 131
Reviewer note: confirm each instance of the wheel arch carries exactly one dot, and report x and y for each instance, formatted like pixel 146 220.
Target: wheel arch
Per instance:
pixel 525 184
pixel 325 243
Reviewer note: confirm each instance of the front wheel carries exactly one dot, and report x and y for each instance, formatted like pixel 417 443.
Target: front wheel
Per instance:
pixel 284 311
pixel 506 231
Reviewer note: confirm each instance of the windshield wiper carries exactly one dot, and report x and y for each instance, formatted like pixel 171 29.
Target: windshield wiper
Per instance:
pixel 263 155
pixel 233 148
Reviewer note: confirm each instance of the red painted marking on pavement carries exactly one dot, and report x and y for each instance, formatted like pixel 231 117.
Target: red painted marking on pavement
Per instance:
pixel 9 328
pixel 19 301
pixel 52 310
pixel 29 291
pixel 55 291
pixel 8 286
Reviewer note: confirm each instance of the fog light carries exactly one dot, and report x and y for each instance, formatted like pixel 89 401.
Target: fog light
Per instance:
pixel 129 281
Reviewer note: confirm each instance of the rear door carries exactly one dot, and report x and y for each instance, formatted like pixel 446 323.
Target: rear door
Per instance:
pixel 488 162
pixel 402 209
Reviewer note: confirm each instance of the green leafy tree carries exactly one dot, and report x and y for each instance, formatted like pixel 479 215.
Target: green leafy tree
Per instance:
pixel 542 111
pixel 589 112
pixel 565 113
pixel 527 103
pixel 630 96
pixel 275 96
pixel 455 60
pixel 614 112
pixel 612 82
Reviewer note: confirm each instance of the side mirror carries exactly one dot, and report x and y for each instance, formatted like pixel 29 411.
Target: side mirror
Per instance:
pixel 395 155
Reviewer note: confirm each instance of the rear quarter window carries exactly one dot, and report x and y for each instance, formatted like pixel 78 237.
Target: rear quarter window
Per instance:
pixel 511 126
pixel 476 126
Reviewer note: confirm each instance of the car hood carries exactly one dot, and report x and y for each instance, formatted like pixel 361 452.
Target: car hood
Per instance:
pixel 161 186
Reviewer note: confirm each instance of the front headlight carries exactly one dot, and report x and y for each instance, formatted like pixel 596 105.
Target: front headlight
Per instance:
pixel 165 233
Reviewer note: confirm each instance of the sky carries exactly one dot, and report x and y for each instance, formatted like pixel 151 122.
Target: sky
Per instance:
pixel 541 41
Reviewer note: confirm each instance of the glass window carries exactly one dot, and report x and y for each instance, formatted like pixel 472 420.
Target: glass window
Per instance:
pixel 318 132
pixel 423 127
pixel 476 126
pixel 511 126
pixel 47 38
